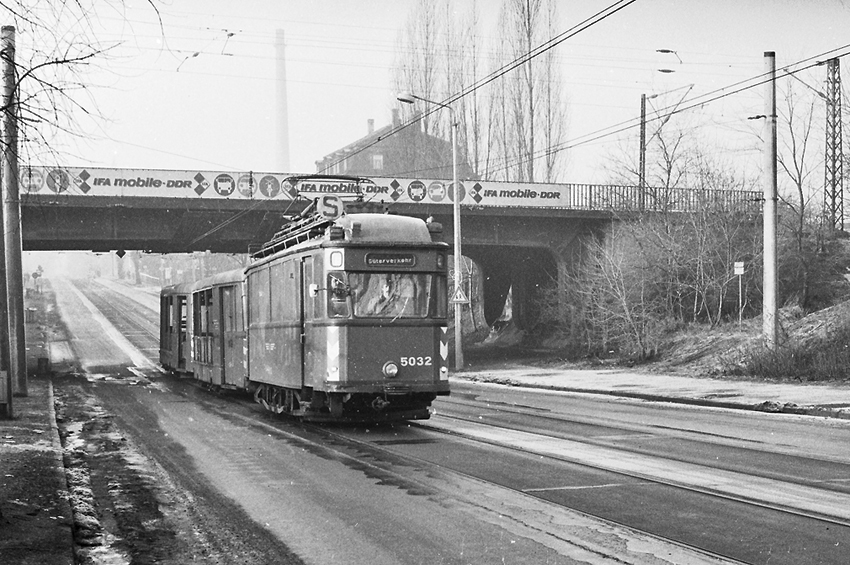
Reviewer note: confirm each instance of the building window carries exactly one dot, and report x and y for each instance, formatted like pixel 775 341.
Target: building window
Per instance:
pixel 377 162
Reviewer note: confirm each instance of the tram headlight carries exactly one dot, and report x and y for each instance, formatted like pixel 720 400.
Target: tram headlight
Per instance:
pixel 390 369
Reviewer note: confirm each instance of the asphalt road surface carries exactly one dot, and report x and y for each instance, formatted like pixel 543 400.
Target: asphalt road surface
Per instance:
pixel 498 475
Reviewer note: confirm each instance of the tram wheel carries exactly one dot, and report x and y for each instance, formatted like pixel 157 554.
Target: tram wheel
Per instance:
pixel 335 403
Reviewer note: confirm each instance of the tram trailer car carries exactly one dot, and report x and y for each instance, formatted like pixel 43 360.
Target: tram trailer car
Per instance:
pixel 174 342
pixel 202 330
pixel 347 324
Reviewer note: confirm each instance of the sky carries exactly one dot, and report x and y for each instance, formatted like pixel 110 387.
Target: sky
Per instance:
pixel 199 91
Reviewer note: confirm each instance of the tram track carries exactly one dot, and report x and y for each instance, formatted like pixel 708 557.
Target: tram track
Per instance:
pixel 380 450
pixel 377 458
pixel 641 439
pixel 748 498
pixel 450 448
pixel 730 490
pixel 128 316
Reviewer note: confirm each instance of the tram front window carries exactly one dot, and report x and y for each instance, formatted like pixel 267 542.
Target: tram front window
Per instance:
pixel 390 295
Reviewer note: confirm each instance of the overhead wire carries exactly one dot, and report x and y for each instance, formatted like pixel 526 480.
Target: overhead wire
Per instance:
pixel 551 43
pixel 700 100
pixel 692 103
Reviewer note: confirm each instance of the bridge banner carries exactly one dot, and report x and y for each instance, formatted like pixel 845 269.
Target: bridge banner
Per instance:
pixel 92 181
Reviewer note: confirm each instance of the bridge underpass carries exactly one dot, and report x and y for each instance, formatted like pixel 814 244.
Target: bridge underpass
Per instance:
pixel 524 253
pixel 523 236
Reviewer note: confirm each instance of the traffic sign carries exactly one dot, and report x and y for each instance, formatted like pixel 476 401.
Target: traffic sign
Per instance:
pixel 459 297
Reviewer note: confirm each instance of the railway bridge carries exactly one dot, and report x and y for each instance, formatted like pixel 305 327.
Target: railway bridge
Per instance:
pixel 522 235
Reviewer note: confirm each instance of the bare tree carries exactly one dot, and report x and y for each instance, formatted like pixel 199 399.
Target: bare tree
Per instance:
pixel 798 157
pixel 506 126
pixel 554 109
pixel 417 63
pixel 56 44
pixel 654 271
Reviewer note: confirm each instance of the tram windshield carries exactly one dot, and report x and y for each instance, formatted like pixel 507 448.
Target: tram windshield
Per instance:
pixel 390 295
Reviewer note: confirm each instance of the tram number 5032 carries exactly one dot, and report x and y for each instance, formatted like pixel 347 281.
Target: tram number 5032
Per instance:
pixel 416 361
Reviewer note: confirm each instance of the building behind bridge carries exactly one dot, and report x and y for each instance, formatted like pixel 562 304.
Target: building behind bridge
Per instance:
pixel 408 152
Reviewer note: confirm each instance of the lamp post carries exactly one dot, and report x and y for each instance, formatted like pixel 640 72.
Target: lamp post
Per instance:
pixel 410 98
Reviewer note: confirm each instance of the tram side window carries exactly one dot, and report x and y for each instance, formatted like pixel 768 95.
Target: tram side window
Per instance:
pixel 312 271
pixel 203 303
pixel 201 306
pixel 338 291
pixel 318 276
pixel 184 312
pixel 165 310
pixel 260 302
pixel 230 318
pixel 165 322
pixel 277 291
pixel 206 322
pixel 289 288
pixel 440 296
pixel 198 306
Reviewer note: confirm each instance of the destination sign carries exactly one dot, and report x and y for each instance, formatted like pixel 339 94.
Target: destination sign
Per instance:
pixel 390 260
pixel 94 181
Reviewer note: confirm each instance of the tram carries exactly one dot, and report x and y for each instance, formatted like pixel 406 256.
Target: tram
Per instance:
pixel 336 319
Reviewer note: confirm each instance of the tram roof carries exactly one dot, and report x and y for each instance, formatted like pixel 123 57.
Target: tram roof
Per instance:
pixel 227 277
pixel 384 228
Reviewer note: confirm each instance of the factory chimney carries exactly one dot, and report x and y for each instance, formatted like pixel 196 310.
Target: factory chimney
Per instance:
pixel 282 114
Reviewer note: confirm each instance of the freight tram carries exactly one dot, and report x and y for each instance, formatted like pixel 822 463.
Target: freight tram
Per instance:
pixel 334 320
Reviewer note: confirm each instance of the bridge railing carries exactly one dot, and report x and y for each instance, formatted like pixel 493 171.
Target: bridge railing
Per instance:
pixel 630 198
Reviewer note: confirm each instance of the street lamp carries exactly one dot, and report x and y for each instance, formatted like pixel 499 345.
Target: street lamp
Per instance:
pixel 410 98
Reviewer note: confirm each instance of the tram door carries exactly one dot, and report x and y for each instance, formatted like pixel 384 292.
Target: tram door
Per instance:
pixel 182 334
pixel 305 312
pixel 232 351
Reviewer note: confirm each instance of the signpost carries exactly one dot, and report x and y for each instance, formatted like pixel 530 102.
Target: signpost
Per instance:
pixel 739 271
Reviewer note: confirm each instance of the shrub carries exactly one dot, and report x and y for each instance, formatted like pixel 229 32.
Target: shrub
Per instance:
pixel 818 361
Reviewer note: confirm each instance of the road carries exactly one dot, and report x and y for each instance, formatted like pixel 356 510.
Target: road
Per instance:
pixel 497 475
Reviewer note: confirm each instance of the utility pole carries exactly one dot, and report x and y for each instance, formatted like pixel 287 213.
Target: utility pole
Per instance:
pixel 458 296
pixel 672 110
pixel 9 173
pixel 642 165
pixel 833 199
pixel 769 322
pixel 12 223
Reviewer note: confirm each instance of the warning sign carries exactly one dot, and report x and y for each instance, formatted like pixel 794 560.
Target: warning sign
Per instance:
pixel 459 297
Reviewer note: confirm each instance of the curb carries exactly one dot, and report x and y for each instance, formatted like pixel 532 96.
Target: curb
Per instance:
pixel 59 467
pixel 766 407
